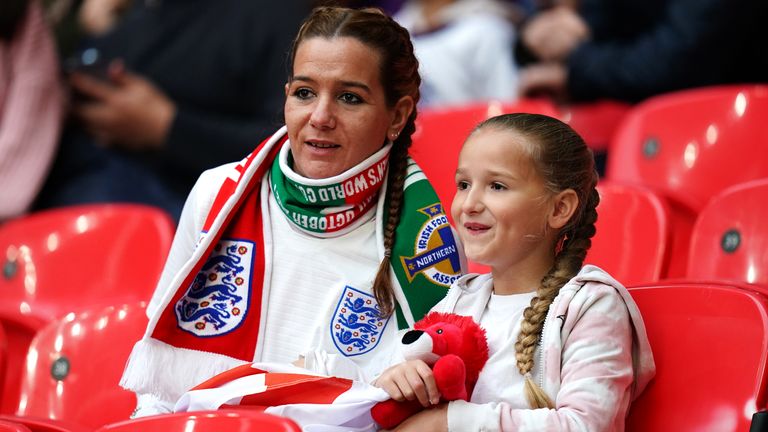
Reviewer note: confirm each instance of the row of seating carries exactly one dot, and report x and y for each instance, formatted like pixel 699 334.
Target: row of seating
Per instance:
pixel 76 279
pixel 710 343
pixel 686 147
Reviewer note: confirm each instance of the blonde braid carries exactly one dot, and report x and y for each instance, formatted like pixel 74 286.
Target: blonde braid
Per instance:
pixel 567 264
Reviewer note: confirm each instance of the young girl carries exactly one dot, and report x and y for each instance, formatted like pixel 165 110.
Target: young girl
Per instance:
pixel 568 350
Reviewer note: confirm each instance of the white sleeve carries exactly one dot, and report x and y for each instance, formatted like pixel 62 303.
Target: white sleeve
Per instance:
pixel 199 202
pixel 148 405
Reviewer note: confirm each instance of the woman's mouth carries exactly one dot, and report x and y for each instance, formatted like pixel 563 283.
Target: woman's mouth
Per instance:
pixel 322 144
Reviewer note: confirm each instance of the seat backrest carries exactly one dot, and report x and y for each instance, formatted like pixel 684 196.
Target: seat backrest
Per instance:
pixel 595 122
pixel 693 144
pixel 730 237
pixel 710 345
pixel 632 233
pixel 64 260
pixel 207 421
pixel 7 426
pixel 74 365
pixel 690 145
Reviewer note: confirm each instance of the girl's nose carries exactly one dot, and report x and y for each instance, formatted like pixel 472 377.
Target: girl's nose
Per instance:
pixel 473 201
pixel 322 115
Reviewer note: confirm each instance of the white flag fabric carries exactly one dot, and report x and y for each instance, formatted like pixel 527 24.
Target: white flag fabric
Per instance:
pixel 317 403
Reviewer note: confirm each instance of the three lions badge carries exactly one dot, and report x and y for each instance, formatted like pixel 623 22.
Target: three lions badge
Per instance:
pixel 216 302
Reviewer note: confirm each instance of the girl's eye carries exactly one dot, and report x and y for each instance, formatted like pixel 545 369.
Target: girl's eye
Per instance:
pixel 303 93
pixel 350 98
pixel 498 186
pixel 462 185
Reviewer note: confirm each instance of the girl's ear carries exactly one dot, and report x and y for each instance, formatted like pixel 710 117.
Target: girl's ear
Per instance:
pixel 564 205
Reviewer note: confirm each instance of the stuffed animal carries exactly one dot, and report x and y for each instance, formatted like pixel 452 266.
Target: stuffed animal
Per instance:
pixel 454 346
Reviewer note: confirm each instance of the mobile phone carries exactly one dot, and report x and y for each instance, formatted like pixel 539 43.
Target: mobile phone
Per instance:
pixel 89 61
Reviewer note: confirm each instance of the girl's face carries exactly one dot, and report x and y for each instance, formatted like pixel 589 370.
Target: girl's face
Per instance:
pixel 501 205
pixel 335 106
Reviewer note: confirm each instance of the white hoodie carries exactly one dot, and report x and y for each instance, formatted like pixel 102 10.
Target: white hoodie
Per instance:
pixel 589 380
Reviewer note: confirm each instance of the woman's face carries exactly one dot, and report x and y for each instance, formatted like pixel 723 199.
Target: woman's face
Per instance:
pixel 335 106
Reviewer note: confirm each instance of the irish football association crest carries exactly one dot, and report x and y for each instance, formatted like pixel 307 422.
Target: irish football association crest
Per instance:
pixel 356 327
pixel 436 253
pixel 216 301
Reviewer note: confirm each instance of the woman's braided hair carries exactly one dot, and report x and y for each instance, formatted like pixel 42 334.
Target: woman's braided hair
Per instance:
pixel 564 161
pixel 399 73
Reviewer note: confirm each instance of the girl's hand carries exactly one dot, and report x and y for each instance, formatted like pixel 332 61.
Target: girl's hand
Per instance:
pixel 432 419
pixel 410 380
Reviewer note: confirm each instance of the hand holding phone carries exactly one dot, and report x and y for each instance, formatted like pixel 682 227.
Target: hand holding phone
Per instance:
pixel 88 61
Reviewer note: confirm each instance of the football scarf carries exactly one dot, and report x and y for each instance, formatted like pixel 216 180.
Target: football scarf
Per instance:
pixel 328 207
pixel 212 317
pixel 314 402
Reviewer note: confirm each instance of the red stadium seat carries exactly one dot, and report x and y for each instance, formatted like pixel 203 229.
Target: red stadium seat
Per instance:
pixel 596 122
pixel 730 237
pixel 710 344
pixel 207 421
pixel 8 426
pixel 36 424
pixel 631 242
pixel 690 145
pixel 64 260
pixel 75 363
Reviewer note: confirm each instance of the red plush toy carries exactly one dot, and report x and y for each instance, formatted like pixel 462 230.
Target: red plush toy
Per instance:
pixel 456 348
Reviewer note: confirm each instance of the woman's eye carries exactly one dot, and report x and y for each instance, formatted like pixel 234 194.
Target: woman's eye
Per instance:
pixel 350 98
pixel 303 93
pixel 462 185
pixel 497 186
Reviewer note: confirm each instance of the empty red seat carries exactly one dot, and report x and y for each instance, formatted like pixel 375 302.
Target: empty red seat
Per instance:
pixel 710 344
pixel 632 233
pixel 690 145
pixel 596 122
pixel 730 237
pixel 207 421
pixel 75 363
pixel 65 260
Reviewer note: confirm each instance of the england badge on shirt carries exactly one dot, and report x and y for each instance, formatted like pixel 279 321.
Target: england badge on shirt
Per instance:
pixel 357 327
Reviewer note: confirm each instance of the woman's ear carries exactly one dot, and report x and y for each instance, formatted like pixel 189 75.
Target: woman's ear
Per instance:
pixel 287 86
pixel 403 109
pixel 564 205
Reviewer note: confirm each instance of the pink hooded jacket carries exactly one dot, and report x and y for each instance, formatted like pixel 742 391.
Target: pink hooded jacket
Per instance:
pixel 577 362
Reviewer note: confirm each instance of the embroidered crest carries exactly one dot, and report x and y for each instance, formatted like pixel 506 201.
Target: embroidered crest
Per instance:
pixel 217 300
pixel 436 254
pixel 356 327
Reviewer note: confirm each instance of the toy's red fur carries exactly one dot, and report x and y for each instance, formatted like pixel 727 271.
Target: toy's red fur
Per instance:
pixel 461 344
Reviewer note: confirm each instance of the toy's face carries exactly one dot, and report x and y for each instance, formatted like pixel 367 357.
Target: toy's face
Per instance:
pixel 433 342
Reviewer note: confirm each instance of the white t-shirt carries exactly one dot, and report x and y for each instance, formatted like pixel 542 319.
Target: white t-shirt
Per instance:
pixel 305 282
pixel 500 379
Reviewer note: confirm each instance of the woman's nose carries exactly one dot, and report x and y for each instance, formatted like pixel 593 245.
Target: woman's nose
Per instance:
pixel 322 114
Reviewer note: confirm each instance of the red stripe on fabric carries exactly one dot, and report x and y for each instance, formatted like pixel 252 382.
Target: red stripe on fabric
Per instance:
pixel 239 343
pixel 227 376
pixel 283 389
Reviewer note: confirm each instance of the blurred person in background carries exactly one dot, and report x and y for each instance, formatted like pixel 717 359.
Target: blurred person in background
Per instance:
pixel 464 49
pixel 630 50
pixel 31 104
pixel 174 87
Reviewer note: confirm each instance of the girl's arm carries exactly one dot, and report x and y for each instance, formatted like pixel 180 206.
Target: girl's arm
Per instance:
pixel 595 380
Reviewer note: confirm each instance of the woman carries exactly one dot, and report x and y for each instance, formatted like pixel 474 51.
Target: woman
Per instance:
pixel 309 246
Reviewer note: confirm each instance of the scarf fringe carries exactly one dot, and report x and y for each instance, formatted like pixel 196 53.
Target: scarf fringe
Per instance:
pixel 167 372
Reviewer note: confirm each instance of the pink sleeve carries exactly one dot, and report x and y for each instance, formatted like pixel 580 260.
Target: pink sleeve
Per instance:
pixel 596 375
pixel 31 107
